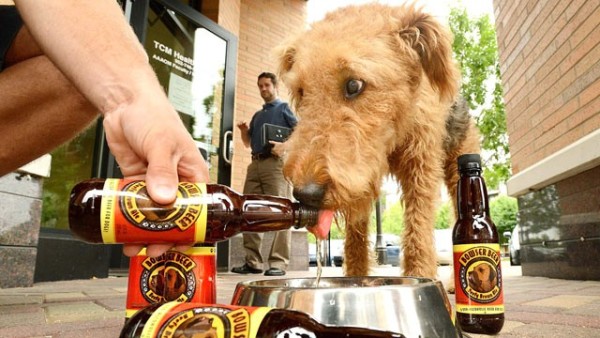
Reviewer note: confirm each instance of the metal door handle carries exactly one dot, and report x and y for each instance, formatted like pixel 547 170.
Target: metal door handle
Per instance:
pixel 227 139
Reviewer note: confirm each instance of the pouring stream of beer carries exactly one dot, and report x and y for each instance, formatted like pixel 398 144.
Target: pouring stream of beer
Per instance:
pixel 319 264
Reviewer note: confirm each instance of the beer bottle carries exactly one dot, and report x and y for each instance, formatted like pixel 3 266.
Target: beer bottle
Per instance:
pixel 477 272
pixel 188 276
pixel 199 320
pixel 120 211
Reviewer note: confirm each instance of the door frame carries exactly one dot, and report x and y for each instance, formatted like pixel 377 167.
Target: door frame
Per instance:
pixel 137 13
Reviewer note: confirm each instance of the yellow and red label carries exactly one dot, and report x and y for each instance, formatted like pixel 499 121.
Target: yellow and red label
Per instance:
pixel 219 321
pixel 478 279
pixel 128 215
pixel 188 276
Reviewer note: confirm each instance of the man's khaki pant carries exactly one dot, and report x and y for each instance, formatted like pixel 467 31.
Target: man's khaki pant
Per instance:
pixel 266 177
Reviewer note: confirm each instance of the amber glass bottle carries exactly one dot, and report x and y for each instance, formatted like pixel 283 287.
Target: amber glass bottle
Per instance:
pixel 188 276
pixel 120 211
pixel 477 272
pixel 196 320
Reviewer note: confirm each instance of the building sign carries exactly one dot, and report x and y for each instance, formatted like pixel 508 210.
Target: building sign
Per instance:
pixel 178 75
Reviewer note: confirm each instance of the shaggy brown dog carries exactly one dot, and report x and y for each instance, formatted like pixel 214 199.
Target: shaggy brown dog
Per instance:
pixel 374 87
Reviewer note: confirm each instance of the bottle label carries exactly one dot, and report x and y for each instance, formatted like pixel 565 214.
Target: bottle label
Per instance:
pixel 173 276
pixel 191 320
pixel 128 215
pixel 478 279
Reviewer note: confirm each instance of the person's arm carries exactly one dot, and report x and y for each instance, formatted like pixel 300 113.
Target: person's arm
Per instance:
pixel 289 116
pixel 278 149
pixel 244 133
pixel 92 44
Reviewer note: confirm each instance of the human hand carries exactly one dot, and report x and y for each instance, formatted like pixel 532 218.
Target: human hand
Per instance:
pixel 278 149
pixel 149 142
pixel 243 126
pixel 153 250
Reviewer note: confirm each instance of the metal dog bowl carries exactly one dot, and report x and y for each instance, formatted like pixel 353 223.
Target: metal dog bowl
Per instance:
pixel 415 307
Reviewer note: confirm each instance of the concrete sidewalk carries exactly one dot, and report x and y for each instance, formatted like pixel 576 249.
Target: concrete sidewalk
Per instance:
pixel 535 307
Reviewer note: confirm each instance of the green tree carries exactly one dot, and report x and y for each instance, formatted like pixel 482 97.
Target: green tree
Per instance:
pixel 476 50
pixel 503 211
pixel 337 229
pixel 392 219
pixel 444 218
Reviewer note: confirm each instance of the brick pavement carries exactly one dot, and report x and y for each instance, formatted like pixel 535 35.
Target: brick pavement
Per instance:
pixel 535 307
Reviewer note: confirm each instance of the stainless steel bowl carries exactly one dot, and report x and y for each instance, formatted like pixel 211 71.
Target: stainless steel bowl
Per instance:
pixel 415 307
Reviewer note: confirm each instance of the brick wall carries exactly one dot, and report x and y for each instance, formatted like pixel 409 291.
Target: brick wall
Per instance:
pixel 229 15
pixel 263 25
pixel 260 26
pixel 549 59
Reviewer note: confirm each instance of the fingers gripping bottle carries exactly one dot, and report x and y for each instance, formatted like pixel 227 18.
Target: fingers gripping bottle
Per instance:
pixel 120 211
pixel 477 271
pixel 228 321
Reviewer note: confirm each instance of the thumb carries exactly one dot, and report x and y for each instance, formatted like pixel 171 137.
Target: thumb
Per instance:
pixel 162 179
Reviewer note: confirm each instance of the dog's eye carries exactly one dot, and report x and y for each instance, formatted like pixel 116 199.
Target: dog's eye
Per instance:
pixel 353 88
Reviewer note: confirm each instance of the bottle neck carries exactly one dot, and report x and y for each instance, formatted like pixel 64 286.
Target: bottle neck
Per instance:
pixel 472 195
pixel 258 211
pixel 305 216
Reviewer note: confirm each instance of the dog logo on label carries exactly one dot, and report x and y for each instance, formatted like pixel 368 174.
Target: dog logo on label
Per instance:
pixel 479 274
pixel 197 327
pixel 143 212
pixel 169 277
pixel 207 322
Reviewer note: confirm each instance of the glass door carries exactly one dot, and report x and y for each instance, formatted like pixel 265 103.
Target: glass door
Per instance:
pixel 194 60
pixel 189 61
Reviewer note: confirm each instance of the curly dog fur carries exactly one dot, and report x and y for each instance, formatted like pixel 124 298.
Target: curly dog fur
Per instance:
pixel 375 88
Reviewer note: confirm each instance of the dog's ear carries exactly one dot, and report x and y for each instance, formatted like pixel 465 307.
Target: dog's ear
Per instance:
pixel 285 54
pixel 286 57
pixel 492 274
pixel 433 44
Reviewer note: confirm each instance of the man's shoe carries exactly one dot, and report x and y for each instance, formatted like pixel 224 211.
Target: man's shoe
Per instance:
pixel 274 272
pixel 245 269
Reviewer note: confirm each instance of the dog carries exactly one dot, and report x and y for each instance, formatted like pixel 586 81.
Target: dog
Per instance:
pixel 482 278
pixel 169 282
pixel 153 211
pixel 198 326
pixel 375 88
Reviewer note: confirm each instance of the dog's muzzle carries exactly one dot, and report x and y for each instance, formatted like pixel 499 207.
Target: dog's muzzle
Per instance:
pixel 310 195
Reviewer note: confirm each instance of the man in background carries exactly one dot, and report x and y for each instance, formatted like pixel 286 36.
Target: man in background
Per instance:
pixel 265 176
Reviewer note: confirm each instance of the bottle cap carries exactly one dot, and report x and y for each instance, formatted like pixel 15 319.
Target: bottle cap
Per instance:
pixel 469 161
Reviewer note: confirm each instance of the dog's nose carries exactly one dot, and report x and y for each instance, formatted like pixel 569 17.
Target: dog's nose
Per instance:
pixel 311 195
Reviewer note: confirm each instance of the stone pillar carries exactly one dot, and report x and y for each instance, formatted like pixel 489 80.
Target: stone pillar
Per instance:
pixel 20 214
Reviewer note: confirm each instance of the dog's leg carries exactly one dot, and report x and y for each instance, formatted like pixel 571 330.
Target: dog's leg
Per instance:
pixel 357 256
pixel 420 175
